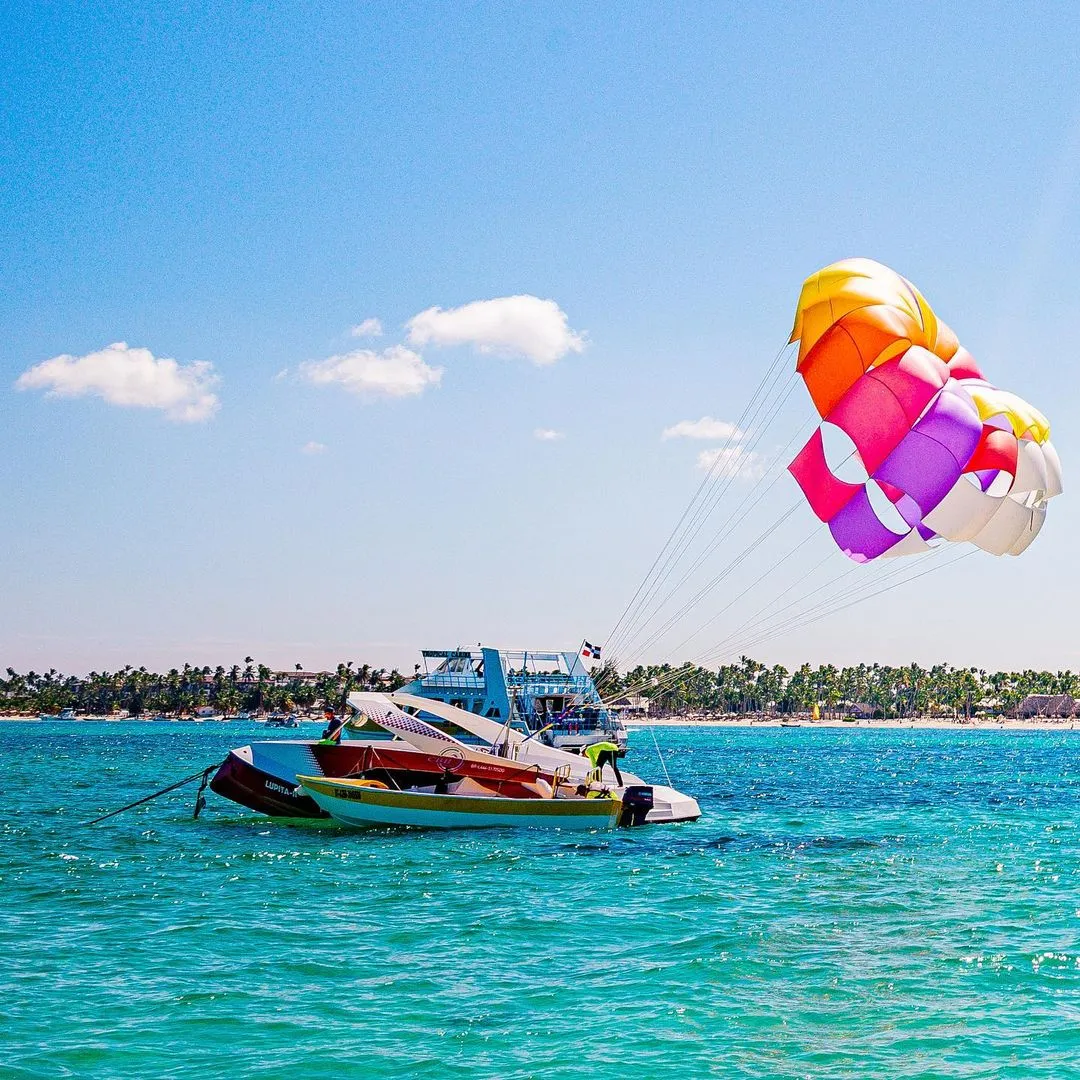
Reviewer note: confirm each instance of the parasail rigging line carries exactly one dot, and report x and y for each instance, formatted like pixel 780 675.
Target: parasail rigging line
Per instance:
pixel 707 505
pixel 749 588
pixel 870 595
pixel 701 507
pixel 706 589
pixel 773 624
pixel 813 614
pixel 776 363
pixel 723 647
pixel 759 619
pixel 751 622
pixel 806 539
pixel 724 531
pixel 760 627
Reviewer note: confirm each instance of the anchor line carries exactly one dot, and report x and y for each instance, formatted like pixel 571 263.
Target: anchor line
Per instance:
pixel 204 774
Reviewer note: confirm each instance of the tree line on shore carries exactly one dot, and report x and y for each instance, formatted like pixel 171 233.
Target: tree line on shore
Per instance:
pixel 744 687
pixel 243 687
pixel 885 691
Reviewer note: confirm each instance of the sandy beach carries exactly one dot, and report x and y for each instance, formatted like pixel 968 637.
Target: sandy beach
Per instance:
pixel 929 722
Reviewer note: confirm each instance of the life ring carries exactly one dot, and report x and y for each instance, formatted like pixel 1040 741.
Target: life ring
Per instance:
pixel 373 784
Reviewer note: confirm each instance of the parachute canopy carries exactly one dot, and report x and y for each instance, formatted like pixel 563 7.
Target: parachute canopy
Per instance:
pixel 939 452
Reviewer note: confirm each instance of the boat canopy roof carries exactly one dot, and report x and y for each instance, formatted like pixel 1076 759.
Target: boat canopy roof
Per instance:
pixel 491 731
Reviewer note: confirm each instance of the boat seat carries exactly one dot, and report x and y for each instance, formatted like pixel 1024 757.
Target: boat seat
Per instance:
pixel 468 786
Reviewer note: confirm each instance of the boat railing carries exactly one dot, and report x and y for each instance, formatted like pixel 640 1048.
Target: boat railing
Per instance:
pixel 456 681
pixel 542 685
pixel 583 727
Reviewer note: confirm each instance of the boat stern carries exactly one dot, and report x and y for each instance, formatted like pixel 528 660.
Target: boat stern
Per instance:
pixel 670 806
pixel 265 784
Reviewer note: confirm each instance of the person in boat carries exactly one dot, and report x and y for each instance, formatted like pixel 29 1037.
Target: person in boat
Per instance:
pixel 587 791
pixel 335 725
pixel 601 754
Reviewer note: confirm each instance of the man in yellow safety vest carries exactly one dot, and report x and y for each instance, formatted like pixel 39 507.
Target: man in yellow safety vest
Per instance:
pixel 601 754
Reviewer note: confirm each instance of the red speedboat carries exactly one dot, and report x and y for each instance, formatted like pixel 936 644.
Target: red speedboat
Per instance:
pixel 262 775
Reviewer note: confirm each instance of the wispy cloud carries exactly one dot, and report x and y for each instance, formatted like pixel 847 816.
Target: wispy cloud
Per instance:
pixel 130 377
pixel 732 461
pixel 548 434
pixel 393 373
pixel 527 326
pixel 313 448
pixel 367 328
pixel 705 428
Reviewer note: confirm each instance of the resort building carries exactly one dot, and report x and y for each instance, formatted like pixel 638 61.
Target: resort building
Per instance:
pixel 1049 705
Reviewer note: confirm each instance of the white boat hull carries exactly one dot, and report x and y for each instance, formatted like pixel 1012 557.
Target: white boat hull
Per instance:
pixel 670 806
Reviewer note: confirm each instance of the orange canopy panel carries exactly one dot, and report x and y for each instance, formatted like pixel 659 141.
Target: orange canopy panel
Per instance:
pixel 850 347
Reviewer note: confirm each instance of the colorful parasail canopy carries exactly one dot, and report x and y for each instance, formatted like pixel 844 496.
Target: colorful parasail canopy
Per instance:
pixel 939 452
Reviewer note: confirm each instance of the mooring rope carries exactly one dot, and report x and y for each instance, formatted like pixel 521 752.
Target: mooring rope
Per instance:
pixel 204 774
pixel 663 763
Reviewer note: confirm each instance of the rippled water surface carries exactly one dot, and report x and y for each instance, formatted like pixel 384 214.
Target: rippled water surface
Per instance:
pixel 852 904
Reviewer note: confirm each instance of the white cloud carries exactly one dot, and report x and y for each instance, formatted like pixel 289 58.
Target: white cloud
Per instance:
pixel 548 434
pixel 130 377
pixel 705 428
pixel 510 325
pixel 732 461
pixel 313 448
pixel 368 328
pixel 394 372
pixel 282 374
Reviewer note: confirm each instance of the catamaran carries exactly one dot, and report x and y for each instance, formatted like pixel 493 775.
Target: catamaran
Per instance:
pixel 547 694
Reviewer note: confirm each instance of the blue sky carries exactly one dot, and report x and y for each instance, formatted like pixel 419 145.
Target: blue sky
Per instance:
pixel 241 186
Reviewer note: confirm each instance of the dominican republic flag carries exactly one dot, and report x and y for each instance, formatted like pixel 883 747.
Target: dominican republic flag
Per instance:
pixel 590 650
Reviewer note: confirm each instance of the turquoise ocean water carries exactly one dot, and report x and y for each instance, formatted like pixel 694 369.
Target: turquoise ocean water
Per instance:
pixel 852 904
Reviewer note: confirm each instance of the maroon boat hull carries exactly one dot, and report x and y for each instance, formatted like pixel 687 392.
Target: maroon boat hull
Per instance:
pixel 263 792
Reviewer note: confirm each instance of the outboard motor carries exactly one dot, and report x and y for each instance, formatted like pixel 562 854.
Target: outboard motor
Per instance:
pixel 637 801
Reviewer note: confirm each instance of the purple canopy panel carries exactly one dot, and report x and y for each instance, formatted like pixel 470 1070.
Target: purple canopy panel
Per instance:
pixel 925 531
pixel 905 505
pixel 825 492
pixel 872 416
pixel 954 422
pixel 909 510
pixel 1002 423
pixel 923 468
pixel 933 454
pixel 858 531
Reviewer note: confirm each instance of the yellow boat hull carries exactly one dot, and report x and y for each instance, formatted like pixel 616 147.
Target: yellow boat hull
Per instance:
pixel 352 803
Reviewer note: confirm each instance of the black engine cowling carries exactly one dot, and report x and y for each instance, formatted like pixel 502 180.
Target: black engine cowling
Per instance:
pixel 637 801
